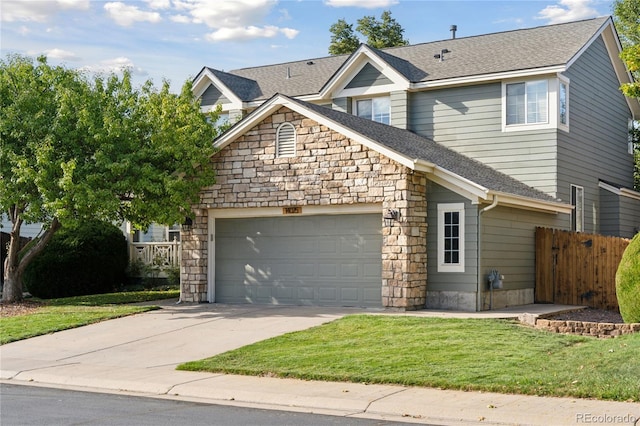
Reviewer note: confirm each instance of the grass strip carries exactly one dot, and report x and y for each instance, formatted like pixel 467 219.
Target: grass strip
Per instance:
pixel 70 312
pixel 466 354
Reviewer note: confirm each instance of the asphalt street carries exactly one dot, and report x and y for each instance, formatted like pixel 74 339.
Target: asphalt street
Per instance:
pixel 31 405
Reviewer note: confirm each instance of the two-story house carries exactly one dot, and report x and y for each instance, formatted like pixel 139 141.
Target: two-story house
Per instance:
pixel 415 176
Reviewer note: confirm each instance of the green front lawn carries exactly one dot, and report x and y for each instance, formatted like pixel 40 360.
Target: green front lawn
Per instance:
pixel 61 314
pixel 467 354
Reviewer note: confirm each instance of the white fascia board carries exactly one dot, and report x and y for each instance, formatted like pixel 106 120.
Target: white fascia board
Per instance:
pixel 274 104
pixel 526 203
pixel 459 81
pixel 205 78
pixel 458 184
pixel 248 122
pixel 357 137
pixel 612 43
pixel 622 192
pixel 352 67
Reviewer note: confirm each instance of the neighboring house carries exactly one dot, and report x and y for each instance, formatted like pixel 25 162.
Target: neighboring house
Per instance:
pixel 159 245
pixel 410 177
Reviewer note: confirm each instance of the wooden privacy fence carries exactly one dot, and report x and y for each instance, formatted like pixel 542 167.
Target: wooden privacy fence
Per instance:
pixel 574 268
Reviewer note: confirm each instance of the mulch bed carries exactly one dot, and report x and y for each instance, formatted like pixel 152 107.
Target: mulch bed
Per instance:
pixel 14 309
pixel 589 315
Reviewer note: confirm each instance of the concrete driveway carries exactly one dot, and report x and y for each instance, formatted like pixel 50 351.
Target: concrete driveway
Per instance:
pixel 110 353
pixel 138 355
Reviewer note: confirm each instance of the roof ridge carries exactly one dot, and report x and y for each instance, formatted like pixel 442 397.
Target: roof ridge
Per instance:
pixel 387 49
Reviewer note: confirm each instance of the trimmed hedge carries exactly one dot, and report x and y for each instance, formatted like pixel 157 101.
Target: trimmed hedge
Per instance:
pixel 628 282
pixel 88 259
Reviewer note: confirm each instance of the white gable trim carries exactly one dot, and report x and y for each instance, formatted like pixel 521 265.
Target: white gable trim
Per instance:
pixel 202 82
pixel 468 189
pixel 335 87
pixel 612 43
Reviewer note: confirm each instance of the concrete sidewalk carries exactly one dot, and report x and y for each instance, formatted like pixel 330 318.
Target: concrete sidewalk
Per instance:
pixel 138 355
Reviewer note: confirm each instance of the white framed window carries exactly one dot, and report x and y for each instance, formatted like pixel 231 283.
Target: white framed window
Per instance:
pixel 376 109
pixel 630 128
pixel 577 214
pixel 286 140
pixel 563 103
pixel 451 237
pixel 536 104
pixel 527 102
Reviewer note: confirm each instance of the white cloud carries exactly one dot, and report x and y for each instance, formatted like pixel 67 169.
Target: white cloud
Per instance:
pixel 180 19
pixel 289 33
pixel 115 65
pixel 229 13
pixel 60 54
pixel 125 15
pixel 249 33
pixel 568 10
pixel 367 4
pixel 232 19
pixel 159 4
pixel 37 11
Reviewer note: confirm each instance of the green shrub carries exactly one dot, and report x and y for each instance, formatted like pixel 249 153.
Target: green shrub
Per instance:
pixel 88 259
pixel 628 282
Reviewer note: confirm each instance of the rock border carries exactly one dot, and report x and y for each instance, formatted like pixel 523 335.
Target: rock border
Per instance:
pixel 581 328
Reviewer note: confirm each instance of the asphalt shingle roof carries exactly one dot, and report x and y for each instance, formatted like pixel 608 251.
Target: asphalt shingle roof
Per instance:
pixel 414 146
pixel 468 56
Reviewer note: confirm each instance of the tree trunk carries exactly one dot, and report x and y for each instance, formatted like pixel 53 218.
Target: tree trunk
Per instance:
pixel 16 263
pixel 12 288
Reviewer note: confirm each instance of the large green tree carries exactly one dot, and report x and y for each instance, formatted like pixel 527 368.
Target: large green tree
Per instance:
pixel 626 14
pixel 75 148
pixel 386 32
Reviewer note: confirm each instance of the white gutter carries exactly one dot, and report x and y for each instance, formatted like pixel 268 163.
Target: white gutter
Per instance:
pixel 479 254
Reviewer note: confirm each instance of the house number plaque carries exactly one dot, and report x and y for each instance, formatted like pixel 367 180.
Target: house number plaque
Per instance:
pixel 291 210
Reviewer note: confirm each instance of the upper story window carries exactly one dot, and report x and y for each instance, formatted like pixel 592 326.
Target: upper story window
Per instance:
pixel 536 104
pixel 563 103
pixel 286 140
pixel 376 109
pixel 527 102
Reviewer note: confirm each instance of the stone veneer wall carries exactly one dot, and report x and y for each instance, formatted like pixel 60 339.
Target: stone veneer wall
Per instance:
pixel 329 169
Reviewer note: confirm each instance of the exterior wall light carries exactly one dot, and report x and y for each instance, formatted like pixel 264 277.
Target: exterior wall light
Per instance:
pixel 390 217
pixel 187 224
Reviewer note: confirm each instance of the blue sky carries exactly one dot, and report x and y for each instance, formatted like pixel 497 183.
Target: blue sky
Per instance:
pixel 174 39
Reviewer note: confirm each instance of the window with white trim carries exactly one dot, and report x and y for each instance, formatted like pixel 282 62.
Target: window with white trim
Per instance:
pixel 577 214
pixel 527 102
pixel 630 128
pixel 563 103
pixel 451 237
pixel 536 104
pixel 286 140
pixel 376 109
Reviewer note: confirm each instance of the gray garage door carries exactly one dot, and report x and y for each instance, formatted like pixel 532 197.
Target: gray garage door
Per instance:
pixel 299 260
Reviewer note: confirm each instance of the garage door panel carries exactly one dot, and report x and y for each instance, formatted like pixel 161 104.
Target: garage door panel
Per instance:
pixel 310 260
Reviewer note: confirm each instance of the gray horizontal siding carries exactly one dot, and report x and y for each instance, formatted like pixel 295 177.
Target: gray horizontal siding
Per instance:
pixel 469 120
pixel 399 105
pixel 367 77
pixel 450 281
pixel 508 244
pixel 609 213
pixel 596 145
pixel 213 96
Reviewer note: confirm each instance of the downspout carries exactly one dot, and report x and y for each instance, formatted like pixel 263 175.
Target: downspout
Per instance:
pixel 479 254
